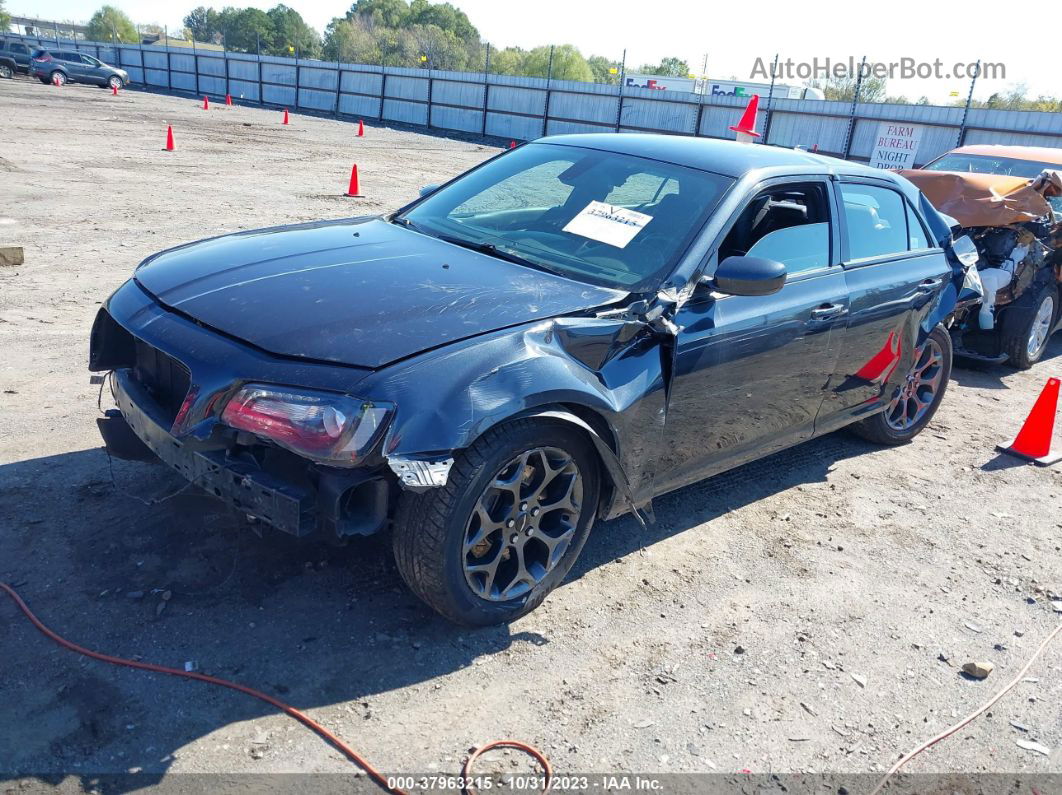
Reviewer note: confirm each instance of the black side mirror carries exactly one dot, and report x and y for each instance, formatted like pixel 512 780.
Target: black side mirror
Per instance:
pixel 749 276
pixel 434 186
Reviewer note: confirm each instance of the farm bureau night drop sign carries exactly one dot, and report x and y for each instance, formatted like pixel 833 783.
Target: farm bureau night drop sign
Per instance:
pixel 608 223
pixel 895 146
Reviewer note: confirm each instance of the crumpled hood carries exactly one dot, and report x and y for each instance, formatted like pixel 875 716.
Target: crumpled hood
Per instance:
pixel 363 293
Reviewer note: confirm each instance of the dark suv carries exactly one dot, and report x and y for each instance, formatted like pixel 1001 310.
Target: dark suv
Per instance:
pixel 70 66
pixel 14 57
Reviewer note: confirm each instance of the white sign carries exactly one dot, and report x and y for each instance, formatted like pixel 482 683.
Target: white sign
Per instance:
pixel 608 223
pixel 895 146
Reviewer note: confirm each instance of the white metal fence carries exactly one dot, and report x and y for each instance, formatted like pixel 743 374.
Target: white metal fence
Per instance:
pixel 529 107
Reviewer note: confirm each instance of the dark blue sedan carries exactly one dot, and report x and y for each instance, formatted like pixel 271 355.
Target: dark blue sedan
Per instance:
pixel 558 335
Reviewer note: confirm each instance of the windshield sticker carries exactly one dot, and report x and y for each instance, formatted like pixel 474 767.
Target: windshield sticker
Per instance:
pixel 608 223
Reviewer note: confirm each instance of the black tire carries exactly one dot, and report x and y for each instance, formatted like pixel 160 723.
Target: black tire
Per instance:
pixel 113 81
pixel 1019 321
pixel 430 526
pixel 878 428
pixel 63 79
pixel 6 72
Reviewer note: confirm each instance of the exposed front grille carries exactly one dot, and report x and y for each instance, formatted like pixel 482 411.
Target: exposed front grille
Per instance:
pixel 164 378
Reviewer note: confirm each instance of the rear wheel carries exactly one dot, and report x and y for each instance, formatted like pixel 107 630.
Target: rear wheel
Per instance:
pixel 915 401
pixel 1026 329
pixel 58 78
pixel 503 532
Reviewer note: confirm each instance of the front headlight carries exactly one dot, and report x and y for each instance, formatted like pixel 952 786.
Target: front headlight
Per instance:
pixel 330 428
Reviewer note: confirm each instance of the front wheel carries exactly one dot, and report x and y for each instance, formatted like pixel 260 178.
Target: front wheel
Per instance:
pixel 6 72
pixel 1026 329
pixel 915 401
pixel 115 82
pixel 487 547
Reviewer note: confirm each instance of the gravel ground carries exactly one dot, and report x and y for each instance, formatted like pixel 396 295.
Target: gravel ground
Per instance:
pixel 807 613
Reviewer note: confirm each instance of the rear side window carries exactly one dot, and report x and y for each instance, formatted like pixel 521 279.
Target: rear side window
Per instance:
pixel 19 48
pixel 876 220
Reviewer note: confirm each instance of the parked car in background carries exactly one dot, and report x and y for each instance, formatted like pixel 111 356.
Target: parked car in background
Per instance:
pixel 560 334
pixel 14 57
pixel 1008 201
pixel 70 66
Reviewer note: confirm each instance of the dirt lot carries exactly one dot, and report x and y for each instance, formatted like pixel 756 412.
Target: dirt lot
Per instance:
pixel 855 580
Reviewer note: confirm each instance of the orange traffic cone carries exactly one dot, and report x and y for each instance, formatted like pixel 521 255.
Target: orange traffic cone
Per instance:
pixel 353 189
pixel 206 103
pixel 746 128
pixel 1033 441
pixel 114 90
pixel 285 121
pixel 169 138
pixel 361 128
pixel 228 99
pixel 512 144
pixel 55 80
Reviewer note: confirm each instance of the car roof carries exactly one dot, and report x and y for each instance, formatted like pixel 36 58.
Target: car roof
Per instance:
pixel 729 158
pixel 1046 154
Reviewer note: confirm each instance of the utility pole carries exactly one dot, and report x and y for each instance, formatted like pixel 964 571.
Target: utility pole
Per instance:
pixel 852 112
pixel 969 100
pixel 770 96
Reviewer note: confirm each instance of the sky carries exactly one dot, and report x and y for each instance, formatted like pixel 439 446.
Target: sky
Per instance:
pixel 732 35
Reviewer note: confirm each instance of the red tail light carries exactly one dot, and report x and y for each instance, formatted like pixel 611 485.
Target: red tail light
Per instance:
pixel 43 57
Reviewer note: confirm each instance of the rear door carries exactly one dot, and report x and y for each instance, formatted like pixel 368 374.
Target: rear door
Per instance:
pixel 751 371
pixel 893 273
pixel 75 67
pixel 21 54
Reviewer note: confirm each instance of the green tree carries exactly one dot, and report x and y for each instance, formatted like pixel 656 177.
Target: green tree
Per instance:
pixel 5 18
pixel 601 67
pixel 202 23
pixel 669 67
pixel 568 64
pixel 290 30
pixel 243 28
pixel 842 89
pixel 109 22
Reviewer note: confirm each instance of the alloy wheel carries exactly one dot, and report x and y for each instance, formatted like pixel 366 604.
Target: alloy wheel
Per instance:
pixel 1041 327
pixel 115 81
pixel 522 524
pixel 916 395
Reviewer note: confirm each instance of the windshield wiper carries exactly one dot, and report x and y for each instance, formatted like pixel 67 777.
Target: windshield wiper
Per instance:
pixel 494 251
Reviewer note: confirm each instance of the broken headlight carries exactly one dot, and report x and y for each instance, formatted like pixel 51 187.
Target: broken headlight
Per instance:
pixel 330 428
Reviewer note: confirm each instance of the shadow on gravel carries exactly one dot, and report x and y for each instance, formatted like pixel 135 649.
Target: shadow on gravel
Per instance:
pixel 982 375
pixel 184 580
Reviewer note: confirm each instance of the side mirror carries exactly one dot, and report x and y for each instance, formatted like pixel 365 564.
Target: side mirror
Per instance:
pixel 965 250
pixel 434 186
pixel 749 276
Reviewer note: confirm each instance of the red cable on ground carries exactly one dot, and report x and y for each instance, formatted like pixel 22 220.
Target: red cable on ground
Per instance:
pixel 903 760
pixel 290 711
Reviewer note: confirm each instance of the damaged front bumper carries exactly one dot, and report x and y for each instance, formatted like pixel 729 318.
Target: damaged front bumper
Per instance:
pixel 246 489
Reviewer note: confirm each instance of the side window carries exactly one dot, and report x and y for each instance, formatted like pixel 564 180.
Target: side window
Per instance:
pixel 789 224
pixel 916 233
pixel 19 48
pixel 877 221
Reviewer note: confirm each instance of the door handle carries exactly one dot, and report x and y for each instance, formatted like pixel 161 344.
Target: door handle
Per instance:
pixel 929 285
pixel 828 312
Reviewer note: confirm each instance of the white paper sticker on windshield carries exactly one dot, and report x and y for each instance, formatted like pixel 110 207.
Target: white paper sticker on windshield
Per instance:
pixel 608 223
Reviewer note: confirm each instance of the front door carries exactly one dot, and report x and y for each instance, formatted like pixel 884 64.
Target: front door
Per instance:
pixel 751 372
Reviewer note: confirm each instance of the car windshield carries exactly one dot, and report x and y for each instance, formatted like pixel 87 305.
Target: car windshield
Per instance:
pixel 600 217
pixel 990 164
